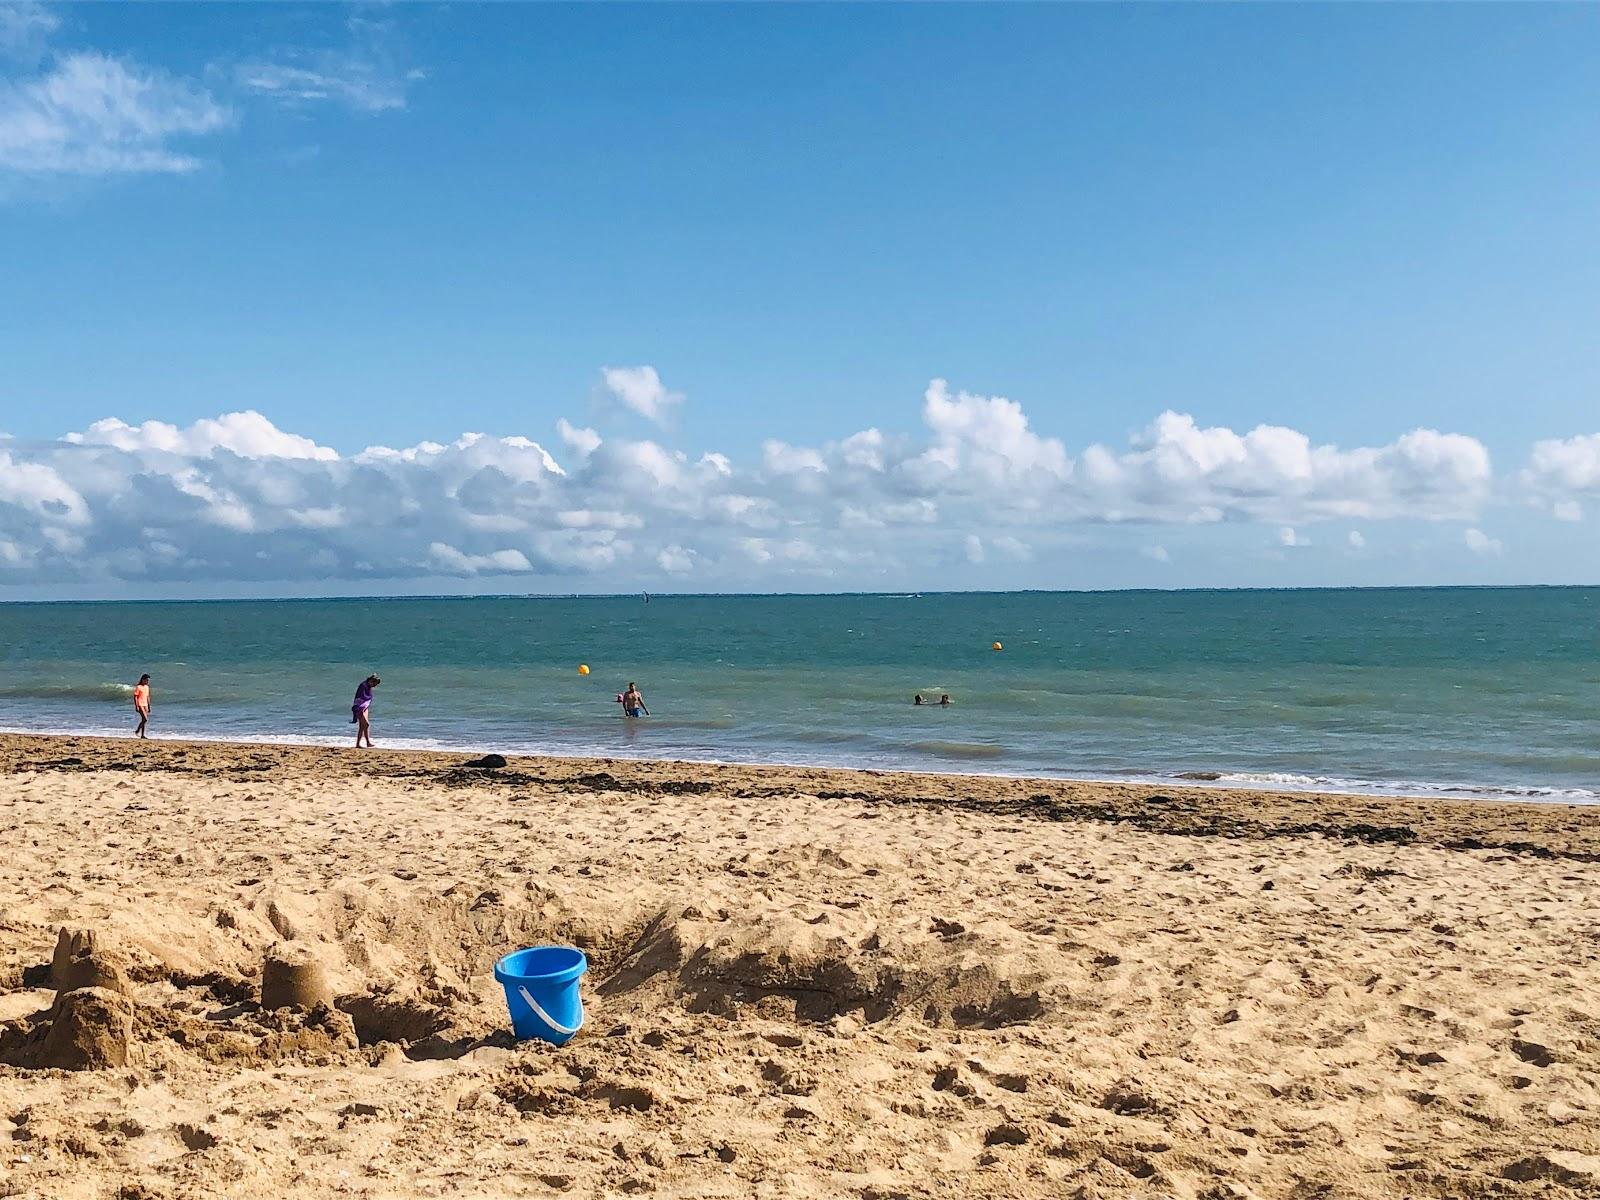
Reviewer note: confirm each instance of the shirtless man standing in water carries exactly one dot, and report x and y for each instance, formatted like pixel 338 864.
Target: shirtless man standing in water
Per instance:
pixel 633 702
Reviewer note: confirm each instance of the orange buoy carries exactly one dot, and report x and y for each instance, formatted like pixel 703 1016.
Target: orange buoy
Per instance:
pixel 997 646
pixel 583 668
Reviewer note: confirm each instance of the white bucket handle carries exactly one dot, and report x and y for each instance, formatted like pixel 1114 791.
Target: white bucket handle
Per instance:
pixel 539 1012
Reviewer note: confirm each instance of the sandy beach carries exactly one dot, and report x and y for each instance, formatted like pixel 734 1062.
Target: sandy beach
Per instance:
pixel 804 983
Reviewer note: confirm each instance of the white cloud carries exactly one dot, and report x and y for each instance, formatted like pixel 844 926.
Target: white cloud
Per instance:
pixel 675 559
pixel 641 389
pixel 984 439
pixel 38 489
pixel 25 27
pixel 81 112
pixel 588 519
pixel 1180 471
pixel 863 450
pixel 451 561
pixel 780 458
pixel 247 434
pixel 1356 540
pixel 369 74
pixel 1570 464
pixel 1563 472
pixel 237 498
pixel 1013 548
pixel 640 466
pixel 1481 543
pixel 756 512
pixel 92 114
pixel 584 441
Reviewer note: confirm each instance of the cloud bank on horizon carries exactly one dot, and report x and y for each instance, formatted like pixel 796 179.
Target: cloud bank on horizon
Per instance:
pixel 237 499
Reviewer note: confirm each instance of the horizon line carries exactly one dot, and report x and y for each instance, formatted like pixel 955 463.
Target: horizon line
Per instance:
pixel 909 593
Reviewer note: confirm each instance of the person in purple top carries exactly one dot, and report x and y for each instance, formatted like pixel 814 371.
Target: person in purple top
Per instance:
pixel 360 711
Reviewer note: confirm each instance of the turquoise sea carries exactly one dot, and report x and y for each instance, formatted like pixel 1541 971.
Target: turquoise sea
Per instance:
pixel 1455 690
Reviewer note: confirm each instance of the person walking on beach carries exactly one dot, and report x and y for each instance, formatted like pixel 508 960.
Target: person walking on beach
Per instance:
pixel 633 702
pixel 360 711
pixel 141 703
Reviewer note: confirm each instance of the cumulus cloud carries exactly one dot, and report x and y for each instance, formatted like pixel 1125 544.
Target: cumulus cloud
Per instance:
pixel 1356 540
pixel 38 489
pixel 1563 472
pixel 1571 464
pixel 584 441
pixel 451 561
pixel 982 441
pixel 1181 471
pixel 675 559
pixel 93 114
pixel 237 498
pixel 780 458
pixel 247 434
pixel 640 389
pixel 1482 544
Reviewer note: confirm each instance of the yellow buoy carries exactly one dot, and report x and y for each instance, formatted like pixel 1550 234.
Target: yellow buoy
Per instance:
pixel 583 668
pixel 997 646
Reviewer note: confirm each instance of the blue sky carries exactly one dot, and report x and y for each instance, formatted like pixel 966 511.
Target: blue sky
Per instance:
pixel 390 226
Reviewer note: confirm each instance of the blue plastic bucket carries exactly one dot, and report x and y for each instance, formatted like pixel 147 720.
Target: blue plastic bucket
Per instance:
pixel 542 992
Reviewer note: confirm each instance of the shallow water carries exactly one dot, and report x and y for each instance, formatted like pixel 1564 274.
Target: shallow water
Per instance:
pixel 1470 691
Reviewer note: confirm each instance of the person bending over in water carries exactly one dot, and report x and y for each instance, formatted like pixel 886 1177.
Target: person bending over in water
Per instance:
pixel 141 703
pixel 361 710
pixel 917 699
pixel 633 702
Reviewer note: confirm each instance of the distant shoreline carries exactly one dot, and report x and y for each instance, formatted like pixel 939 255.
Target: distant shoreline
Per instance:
pixel 892 593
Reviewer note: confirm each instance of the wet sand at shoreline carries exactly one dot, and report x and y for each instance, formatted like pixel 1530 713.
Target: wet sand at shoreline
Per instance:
pixel 804 982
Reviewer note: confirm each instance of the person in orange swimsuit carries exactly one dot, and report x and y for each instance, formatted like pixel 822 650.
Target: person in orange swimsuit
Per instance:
pixel 141 703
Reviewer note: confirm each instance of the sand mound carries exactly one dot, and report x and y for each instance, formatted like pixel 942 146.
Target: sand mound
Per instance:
pixel 783 966
pixel 377 963
pixel 85 1029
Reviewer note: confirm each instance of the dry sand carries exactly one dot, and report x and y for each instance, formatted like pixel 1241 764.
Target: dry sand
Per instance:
pixel 805 983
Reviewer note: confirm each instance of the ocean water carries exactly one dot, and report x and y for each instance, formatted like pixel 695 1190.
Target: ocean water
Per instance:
pixel 1454 690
